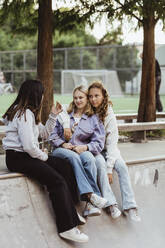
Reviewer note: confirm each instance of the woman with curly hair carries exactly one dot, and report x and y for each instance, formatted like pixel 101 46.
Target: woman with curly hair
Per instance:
pixel 111 158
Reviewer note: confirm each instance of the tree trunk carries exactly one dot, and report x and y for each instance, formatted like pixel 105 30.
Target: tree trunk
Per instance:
pixel 45 54
pixel 147 105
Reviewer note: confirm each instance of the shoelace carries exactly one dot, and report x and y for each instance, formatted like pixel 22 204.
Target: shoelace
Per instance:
pixel 134 212
pixel 96 199
pixel 113 208
pixel 77 231
pixel 88 206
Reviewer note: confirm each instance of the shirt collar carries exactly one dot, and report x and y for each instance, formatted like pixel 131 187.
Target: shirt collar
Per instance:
pixel 84 116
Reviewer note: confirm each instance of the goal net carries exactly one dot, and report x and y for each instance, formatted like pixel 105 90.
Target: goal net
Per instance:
pixel 72 78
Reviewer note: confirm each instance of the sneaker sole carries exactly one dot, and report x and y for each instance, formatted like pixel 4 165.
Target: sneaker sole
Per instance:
pixel 75 240
pixel 127 215
pixel 115 217
pixel 101 205
pixel 82 223
pixel 92 214
pixel 81 220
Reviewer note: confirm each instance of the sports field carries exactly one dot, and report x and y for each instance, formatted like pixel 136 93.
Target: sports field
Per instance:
pixel 126 104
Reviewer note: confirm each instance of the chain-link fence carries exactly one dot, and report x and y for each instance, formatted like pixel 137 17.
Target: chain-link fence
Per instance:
pixel 123 60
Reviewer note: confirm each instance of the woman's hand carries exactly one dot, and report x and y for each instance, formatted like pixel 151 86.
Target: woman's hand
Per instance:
pixel 67 146
pixel 67 134
pixel 110 178
pixel 56 109
pixel 80 149
pixel 45 150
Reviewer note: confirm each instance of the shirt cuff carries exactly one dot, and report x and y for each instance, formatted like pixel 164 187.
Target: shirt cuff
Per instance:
pixel 109 170
pixel 66 125
pixel 45 156
pixel 59 143
pixel 90 149
pixel 52 115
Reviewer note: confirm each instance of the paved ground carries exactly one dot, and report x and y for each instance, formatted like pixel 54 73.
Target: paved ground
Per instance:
pixel 27 219
pixel 133 151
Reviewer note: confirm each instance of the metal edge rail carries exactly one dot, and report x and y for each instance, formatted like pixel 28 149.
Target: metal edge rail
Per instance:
pixel 145 160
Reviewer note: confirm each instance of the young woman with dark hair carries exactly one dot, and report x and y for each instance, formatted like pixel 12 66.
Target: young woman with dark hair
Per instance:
pixel 24 155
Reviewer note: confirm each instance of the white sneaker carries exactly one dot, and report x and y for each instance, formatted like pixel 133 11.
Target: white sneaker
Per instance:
pixel 98 201
pixel 74 234
pixel 115 212
pixel 82 220
pixel 91 210
pixel 132 214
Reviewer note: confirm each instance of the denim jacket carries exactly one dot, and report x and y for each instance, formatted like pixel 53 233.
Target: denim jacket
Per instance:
pixel 89 131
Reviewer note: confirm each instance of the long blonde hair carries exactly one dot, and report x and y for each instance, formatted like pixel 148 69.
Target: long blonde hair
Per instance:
pixel 88 109
pixel 102 110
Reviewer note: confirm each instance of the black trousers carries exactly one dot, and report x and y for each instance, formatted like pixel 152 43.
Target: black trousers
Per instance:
pixel 57 175
pixel 159 105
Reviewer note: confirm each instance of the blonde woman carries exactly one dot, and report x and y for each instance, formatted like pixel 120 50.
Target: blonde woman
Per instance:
pixel 88 137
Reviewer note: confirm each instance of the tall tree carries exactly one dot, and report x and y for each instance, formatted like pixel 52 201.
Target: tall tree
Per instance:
pixel 147 13
pixel 45 54
pixel 26 18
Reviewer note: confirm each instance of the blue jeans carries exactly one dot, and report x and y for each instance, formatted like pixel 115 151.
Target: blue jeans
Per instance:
pixel 84 168
pixel 128 200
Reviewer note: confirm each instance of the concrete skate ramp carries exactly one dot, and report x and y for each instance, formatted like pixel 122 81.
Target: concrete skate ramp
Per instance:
pixel 26 217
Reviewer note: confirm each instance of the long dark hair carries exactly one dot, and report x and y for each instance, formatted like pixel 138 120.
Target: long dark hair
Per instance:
pixel 29 97
pixel 102 110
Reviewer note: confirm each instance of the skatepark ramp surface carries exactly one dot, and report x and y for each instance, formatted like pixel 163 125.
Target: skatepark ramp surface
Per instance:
pixel 27 220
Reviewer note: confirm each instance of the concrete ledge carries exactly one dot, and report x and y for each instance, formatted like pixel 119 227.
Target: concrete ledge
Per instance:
pixel 26 213
pixel 8 175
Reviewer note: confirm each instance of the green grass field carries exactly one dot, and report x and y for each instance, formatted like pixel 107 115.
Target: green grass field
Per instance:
pixel 127 104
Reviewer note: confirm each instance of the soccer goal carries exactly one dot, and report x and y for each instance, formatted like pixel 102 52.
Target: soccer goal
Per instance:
pixel 72 78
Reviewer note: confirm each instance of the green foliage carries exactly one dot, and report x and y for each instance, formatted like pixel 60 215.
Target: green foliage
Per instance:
pixel 126 58
pixel 10 38
pixel 10 42
pixel 21 15
pixel 112 37
pixel 18 32
pixel 117 9
pixel 67 20
pixel 122 58
pixel 77 38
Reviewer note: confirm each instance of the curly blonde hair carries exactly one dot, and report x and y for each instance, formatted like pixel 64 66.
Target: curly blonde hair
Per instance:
pixel 88 109
pixel 102 110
